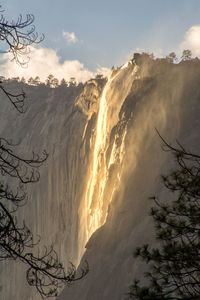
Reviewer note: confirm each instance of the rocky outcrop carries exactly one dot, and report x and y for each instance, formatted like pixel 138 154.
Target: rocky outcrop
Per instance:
pixel 87 101
pixel 162 96
pixel 138 97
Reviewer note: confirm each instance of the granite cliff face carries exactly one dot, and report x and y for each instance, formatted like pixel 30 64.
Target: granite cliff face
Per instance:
pixel 52 122
pixel 140 96
pixel 104 162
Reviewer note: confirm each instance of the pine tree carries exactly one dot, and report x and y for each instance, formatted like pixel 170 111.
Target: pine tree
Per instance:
pixel 171 57
pixel 186 55
pixel 174 271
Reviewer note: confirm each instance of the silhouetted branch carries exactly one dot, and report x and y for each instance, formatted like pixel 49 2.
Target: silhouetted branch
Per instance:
pixel 175 264
pixel 45 272
pixel 16 99
pixel 19 35
pixel 167 147
pixel 15 166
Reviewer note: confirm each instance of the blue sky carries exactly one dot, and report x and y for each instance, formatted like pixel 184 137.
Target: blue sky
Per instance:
pixel 106 33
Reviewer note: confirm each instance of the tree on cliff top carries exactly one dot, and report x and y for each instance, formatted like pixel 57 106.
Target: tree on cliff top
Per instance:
pixel 171 57
pixel 175 265
pixel 45 272
pixel 186 55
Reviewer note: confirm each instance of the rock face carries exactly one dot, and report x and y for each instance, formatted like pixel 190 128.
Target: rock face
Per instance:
pixel 140 97
pixel 51 122
pixel 104 163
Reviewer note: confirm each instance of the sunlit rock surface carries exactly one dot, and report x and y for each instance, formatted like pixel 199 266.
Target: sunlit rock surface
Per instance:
pixel 152 95
pixel 104 163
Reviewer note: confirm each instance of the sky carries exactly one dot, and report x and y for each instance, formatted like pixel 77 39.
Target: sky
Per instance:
pixel 84 37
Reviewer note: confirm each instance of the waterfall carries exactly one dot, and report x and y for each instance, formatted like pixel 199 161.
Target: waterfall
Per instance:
pixel 124 165
pixel 99 172
pixel 100 185
pixel 105 161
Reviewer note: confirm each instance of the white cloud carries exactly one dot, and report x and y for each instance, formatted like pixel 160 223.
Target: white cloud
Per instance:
pixel 70 37
pixel 45 61
pixel 104 71
pixel 192 40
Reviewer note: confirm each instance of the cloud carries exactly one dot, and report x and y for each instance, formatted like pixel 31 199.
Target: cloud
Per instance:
pixel 104 71
pixel 45 61
pixel 70 37
pixel 192 40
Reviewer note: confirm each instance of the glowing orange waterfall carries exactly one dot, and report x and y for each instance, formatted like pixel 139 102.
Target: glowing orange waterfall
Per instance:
pixel 102 184
pixel 96 182
pixel 106 158
pixel 99 172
